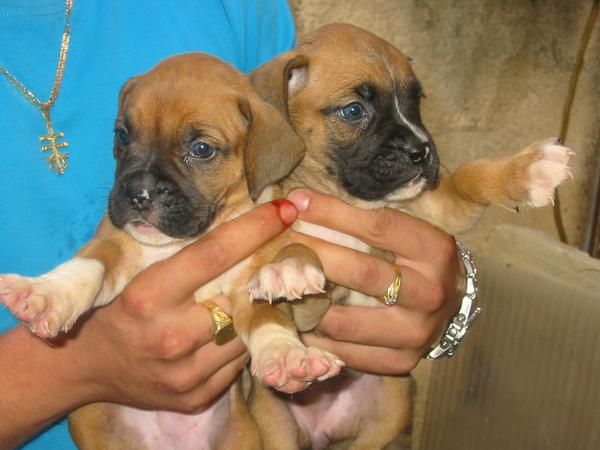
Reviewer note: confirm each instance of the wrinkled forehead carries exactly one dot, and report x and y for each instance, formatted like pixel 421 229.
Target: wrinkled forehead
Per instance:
pixel 345 61
pixel 178 94
pixel 189 94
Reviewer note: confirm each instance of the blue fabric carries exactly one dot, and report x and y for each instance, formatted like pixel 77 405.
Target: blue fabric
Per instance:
pixel 46 217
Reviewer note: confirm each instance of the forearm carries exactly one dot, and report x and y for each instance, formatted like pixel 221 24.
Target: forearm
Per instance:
pixel 39 384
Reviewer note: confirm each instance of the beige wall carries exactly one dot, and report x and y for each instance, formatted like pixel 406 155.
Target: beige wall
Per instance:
pixel 495 74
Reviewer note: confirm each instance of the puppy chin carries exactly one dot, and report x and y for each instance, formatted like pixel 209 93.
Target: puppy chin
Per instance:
pixel 409 191
pixel 146 234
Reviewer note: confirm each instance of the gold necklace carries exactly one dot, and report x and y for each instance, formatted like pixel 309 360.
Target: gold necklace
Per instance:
pixel 57 160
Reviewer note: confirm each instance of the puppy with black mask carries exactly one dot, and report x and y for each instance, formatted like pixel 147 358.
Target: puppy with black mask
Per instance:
pixel 194 147
pixel 354 100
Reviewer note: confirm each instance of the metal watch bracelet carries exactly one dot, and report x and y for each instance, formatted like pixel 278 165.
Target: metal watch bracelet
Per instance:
pixel 461 322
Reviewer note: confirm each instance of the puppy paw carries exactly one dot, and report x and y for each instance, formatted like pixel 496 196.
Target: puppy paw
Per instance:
pixel 290 367
pixel 33 303
pixel 288 279
pixel 548 170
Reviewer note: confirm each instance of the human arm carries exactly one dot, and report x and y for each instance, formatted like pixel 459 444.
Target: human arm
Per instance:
pixel 385 339
pixel 150 348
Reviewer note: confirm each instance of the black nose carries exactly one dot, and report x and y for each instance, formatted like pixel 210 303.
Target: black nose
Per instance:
pixel 139 190
pixel 418 152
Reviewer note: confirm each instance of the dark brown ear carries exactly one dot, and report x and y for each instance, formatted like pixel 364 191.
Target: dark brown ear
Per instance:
pixel 279 78
pixel 273 149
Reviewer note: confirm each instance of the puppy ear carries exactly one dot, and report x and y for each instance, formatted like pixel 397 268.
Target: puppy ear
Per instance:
pixel 273 149
pixel 281 78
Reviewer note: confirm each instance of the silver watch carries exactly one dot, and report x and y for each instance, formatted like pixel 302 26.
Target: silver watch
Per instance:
pixel 461 322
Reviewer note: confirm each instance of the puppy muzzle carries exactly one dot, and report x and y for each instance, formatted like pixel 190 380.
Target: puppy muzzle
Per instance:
pixel 400 162
pixel 147 197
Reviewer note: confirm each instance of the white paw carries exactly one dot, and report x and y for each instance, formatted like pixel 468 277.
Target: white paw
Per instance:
pixel 35 303
pixel 548 172
pixel 290 367
pixel 288 279
pixel 53 302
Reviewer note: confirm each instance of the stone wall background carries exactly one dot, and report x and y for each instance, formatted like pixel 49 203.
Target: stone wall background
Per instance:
pixel 495 75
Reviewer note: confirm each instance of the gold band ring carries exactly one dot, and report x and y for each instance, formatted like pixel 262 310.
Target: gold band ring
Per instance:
pixel 393 291
pixel 222 328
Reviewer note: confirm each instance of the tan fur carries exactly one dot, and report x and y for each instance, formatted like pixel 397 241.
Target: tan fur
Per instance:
pixel 323 71
pixel 223 102
pixel 463 195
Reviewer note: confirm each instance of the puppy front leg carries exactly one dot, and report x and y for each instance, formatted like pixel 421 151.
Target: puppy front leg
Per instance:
pixel 295 272
pixel 278 357
pixel 53 302
pixel 296 275
pixel 527 178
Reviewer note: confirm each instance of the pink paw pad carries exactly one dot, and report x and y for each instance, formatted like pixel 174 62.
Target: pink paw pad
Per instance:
pixel 28 306
pixel 295 368
pixel 14 291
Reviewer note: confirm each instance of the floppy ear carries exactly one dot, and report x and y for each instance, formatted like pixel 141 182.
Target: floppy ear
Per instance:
pixel 279 78
pixel 273 149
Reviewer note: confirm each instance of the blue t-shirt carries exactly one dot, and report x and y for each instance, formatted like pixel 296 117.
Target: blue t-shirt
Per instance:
pixel 47 217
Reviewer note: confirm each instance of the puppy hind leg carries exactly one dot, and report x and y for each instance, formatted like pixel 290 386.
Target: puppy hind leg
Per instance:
pixel 96 427
pixel 279 358
pixel 389 425
pixel 276 424
pixel 241 431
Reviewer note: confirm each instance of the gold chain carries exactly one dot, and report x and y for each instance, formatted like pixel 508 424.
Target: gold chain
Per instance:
pixel 57 160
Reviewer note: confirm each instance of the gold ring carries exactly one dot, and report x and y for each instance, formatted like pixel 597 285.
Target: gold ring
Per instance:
pixel 222 328
pixel 391 296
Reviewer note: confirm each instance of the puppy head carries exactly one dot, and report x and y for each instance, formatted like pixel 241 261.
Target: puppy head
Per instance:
pixel 193 141
pixel 354 100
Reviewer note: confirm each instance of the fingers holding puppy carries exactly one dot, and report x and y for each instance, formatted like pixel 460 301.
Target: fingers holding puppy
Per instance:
pixel 382 228
pixel 426 256
pixel 372 275
pixel 428 264
pixel 168 358
pixel 175 279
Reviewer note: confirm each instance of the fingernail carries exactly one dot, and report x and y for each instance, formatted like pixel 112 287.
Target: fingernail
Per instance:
pixel 300 200
pixel 287 211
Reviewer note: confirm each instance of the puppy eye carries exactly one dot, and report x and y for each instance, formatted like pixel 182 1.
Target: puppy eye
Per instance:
pixel 353 111
pixel 202 150
pixel 122 136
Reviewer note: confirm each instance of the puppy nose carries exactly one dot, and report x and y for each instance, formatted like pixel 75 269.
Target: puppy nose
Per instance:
pixel 418 152
pixel 141 200
pixel 139 190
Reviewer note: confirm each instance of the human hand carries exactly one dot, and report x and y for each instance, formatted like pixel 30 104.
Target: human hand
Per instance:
pixel 384 339
pixel 153 346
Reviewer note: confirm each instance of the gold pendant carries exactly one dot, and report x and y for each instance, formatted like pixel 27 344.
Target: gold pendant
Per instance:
pixel 57 160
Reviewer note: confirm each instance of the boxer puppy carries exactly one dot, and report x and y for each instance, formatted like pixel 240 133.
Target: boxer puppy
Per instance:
pixel 195 146
pixel 354 100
